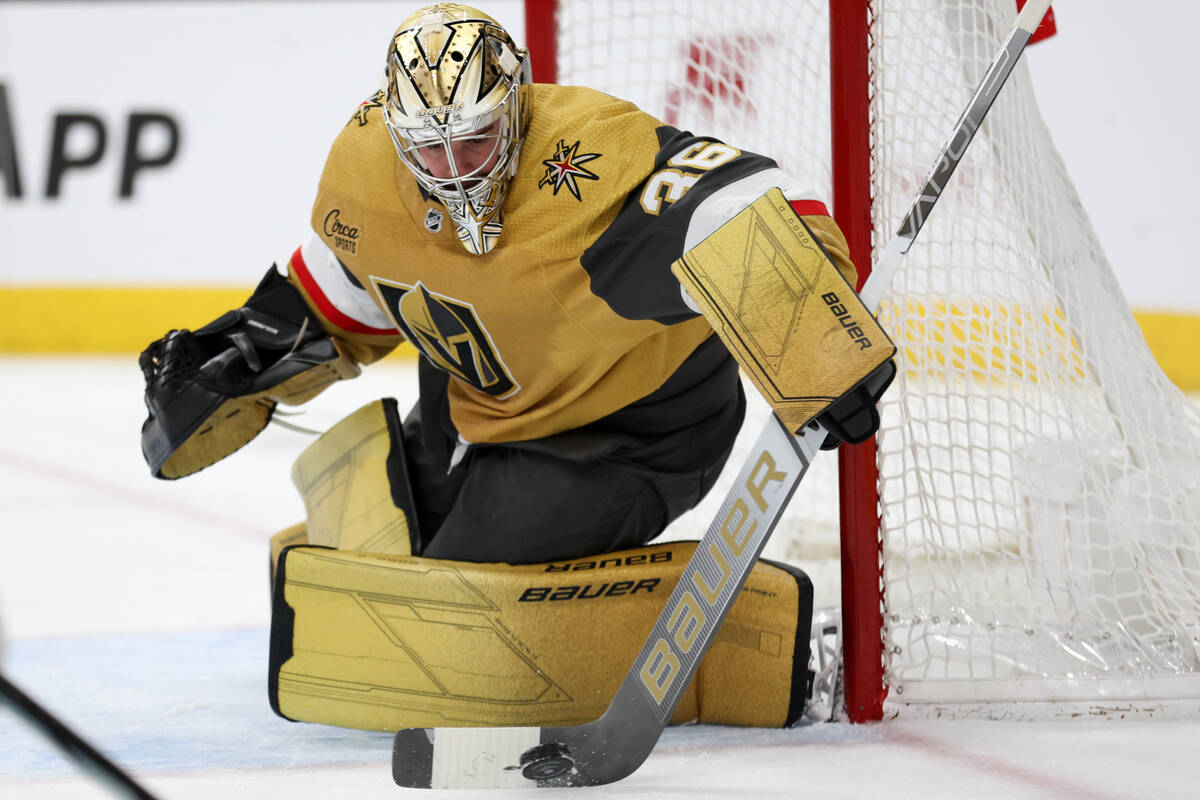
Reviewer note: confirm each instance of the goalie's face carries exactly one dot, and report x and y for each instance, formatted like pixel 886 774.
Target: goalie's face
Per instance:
pixel 465 156
pixel 459 159
pixel 453 108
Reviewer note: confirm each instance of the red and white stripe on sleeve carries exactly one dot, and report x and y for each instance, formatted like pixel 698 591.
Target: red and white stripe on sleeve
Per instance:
pixel 335 295
pixel 729 201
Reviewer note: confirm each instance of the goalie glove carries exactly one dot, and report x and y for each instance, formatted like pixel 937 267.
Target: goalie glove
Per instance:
pixel 210 391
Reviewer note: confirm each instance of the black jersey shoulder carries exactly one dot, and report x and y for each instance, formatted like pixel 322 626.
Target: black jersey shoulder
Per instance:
pixel 629 265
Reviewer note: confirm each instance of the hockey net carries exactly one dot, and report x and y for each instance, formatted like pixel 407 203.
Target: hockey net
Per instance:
pixel 1038 514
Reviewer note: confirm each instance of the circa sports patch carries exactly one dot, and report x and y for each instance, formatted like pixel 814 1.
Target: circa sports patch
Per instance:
pixel 563 168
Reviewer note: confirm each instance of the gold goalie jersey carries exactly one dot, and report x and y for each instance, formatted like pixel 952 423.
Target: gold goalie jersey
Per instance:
pixel 575 314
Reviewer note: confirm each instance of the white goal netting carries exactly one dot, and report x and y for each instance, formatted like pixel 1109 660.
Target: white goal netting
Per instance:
pixel 1039 476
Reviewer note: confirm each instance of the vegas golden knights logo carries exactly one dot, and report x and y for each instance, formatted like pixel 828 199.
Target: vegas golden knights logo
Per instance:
pixel 449 334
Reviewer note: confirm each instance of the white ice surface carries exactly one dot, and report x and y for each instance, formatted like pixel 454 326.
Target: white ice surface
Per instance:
pixel 138 611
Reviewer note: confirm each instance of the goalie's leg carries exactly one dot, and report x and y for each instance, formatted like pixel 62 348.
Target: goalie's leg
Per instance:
pixel 592 490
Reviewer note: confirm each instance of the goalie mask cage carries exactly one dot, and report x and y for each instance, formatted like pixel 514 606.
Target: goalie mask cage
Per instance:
pixel 1023 537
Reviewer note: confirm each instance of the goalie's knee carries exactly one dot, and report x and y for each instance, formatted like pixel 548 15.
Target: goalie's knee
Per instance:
pixel 355 486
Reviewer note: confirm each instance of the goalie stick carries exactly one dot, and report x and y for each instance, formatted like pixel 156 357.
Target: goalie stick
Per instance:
pixel 613 746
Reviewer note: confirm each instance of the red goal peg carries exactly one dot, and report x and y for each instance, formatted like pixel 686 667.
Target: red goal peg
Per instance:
pixel 1044 30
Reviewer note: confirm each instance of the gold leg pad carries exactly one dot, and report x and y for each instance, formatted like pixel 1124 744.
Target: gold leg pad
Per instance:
pixel 387 642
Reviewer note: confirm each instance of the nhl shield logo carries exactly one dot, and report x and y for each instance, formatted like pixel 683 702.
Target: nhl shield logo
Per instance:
pixel 433 220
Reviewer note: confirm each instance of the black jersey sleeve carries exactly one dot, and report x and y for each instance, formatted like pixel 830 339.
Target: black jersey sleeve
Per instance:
pixel 629 265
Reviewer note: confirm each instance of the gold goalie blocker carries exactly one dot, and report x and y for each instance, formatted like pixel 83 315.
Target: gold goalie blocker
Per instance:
pixel 794 324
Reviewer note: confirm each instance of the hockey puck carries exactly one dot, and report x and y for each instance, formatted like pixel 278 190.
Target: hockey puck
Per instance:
pixel 546 761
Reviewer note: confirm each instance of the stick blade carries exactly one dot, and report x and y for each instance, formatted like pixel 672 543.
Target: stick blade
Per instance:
pixel 592 754
pixel 462 758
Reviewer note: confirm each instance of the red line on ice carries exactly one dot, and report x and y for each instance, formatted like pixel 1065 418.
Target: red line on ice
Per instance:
pixel 1053 785
pixel 228 524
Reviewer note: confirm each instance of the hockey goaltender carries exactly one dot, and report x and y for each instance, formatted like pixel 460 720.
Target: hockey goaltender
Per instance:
pixel 483 559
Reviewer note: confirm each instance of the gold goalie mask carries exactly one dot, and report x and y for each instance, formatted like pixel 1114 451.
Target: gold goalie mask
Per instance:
pixel 454 108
